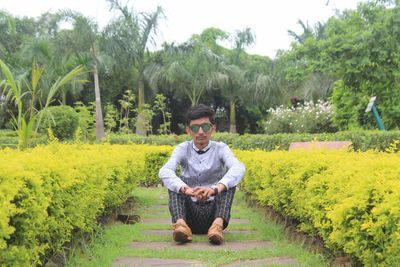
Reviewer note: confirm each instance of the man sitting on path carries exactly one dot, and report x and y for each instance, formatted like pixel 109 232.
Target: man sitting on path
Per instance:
pixel 200 199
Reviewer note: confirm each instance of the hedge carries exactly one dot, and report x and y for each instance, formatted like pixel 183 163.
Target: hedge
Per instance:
pixel 362 140
pixel 350 199
pixel 50 192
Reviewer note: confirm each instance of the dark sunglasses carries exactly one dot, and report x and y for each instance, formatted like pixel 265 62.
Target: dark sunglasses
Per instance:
pixel 196 127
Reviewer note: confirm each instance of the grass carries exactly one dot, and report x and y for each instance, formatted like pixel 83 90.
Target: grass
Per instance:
pixel 114 240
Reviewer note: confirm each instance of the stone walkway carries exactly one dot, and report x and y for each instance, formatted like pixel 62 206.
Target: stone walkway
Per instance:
pixel 239 238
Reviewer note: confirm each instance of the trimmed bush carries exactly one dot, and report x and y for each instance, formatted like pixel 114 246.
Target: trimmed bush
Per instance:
pixel 48 193
pixel 350 199
pixel 362 140
pixel 153 163
pixel 63 121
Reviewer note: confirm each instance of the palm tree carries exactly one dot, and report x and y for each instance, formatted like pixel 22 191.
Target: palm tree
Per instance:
pixel 129 36
pixel 190 69
pixel 232 77
pixel 7 31
pixel 242 39
pixel 84 44
pixel 233 84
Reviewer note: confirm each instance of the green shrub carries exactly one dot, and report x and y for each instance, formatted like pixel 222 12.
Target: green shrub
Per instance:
pixel 63 121
pixel 153 163
pixel 362 140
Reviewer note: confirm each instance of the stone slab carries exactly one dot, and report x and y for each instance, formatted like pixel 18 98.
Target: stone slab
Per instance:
pixel 227 245
pixel 336 145
pixel 264 262
pixel 169 232
pixel 168 221
pixel 145 262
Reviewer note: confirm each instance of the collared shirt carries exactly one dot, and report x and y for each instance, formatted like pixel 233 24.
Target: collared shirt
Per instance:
pixel 217 165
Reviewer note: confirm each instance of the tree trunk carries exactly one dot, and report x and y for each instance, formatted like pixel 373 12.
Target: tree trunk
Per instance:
pixel 140 124
pixel 99 113
pixel 232 117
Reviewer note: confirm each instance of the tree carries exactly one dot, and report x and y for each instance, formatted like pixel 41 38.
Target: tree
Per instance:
pixel 190 68
pixel 235 82
pixel 85 37
pixel 130 35
pixel 232 82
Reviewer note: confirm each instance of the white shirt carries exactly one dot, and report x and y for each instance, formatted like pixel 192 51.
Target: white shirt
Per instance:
pixel 217 165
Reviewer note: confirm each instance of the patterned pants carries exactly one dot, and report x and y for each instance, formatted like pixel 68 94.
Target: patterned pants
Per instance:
pixel 200 216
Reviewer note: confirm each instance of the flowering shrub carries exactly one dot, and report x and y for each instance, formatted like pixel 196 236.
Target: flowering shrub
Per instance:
pixel 307 118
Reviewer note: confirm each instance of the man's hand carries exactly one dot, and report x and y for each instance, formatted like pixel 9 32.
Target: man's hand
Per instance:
pixel 203 193
pixel 186 190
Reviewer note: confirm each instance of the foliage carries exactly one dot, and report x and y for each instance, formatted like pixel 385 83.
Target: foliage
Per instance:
pixel 153 163
pixel 126 121
pixel 347 198
pixel 160 105
pixel 62 120
pixel 358 49
pixel 189 69
pixel 52 192
pixel 361 140
pixel 306 118
pixel 130 34
pixel 111 117
pixel 27 118
pixel 145 118
pixel 86 119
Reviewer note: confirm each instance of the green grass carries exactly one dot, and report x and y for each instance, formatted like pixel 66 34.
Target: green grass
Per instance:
pixel 114 240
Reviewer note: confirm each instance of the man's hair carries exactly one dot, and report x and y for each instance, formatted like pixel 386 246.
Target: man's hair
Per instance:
pixel 200 111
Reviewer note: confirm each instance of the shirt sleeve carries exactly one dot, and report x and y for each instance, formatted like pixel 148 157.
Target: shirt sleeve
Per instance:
pixel 236 169
pixel 168 172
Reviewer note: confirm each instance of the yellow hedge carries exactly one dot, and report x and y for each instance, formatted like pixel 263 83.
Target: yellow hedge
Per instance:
pixel 48 192
pixel 350 199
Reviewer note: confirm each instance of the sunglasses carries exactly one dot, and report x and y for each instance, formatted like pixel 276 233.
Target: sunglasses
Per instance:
pixel 196 127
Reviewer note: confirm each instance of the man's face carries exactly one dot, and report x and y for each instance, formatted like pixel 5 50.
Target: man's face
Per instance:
pixel 200 130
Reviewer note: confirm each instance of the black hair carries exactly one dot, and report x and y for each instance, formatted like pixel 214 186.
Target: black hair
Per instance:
pixel 200 111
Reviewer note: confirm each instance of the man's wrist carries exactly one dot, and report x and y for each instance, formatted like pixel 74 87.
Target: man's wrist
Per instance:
pixel 183 189
pixel 216 190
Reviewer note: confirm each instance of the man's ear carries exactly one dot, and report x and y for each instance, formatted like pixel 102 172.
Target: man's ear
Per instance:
pixel 187 130
pixel 214 128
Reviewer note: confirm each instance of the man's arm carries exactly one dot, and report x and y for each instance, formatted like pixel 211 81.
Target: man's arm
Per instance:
pixel 168 172
pixel 236 169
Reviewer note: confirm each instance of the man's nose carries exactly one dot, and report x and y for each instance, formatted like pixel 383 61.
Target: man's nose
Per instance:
pixel 201 130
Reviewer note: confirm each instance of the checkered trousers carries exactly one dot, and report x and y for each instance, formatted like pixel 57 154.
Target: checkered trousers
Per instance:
pixel 200 216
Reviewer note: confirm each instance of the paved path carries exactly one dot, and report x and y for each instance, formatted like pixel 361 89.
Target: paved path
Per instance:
pixel 239 238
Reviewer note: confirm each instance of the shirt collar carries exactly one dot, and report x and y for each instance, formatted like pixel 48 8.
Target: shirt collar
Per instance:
pixel 204 149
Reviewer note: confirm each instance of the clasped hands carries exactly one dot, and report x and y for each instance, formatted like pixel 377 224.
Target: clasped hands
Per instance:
pixel 201 193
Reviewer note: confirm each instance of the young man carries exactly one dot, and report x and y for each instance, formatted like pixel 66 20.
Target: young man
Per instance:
pixel 200 199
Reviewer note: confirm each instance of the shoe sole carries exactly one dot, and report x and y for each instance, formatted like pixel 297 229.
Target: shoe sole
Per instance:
pixel 181 237
pixel 215 239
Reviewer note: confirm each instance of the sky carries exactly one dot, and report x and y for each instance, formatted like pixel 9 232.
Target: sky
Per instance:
pixel 270 20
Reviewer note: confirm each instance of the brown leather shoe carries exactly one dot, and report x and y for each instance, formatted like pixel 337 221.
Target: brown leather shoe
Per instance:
pixel 182 232
pixel 215 234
